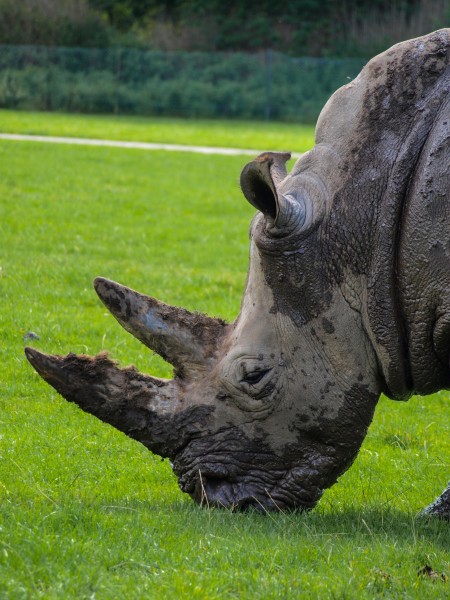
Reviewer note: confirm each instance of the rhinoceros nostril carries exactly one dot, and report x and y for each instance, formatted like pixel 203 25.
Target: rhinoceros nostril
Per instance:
pixel 249 504
pixel 212 480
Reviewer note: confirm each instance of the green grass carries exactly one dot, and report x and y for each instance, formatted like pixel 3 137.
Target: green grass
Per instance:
pixel 232 134
pixel 86 512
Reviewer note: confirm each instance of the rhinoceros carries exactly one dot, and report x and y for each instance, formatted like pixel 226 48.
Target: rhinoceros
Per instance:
pixel 347 297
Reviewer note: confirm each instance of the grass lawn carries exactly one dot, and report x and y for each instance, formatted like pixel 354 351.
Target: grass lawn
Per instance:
pixel 86 512
pixel 231 134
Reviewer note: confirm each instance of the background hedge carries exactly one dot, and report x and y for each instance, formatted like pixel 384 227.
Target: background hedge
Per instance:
pixel 267 84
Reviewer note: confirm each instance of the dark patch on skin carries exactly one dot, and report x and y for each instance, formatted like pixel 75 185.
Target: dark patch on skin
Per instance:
pixel 344 432
pixel 327 325
pixel 302 295
pixel 328 386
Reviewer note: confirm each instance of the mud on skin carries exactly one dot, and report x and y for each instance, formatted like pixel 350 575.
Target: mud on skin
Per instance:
pixel 347 296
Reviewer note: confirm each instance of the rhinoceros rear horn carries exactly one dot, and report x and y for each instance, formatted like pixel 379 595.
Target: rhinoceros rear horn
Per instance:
pixel 186 340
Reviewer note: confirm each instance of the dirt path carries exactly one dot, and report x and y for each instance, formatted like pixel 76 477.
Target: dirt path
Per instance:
pixel 138 145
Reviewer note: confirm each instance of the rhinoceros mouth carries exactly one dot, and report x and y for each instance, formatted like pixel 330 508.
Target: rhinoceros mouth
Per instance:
pixel 239 487
pixel 248 494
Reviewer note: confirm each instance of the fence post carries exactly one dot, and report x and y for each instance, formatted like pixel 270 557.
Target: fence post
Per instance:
pixel 268 81
pixel 48 78
pixel 118 69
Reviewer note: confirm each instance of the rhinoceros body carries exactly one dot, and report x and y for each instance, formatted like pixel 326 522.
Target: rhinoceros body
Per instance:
pixel 347 296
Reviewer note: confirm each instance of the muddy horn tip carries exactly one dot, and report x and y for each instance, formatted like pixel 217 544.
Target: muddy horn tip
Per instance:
pixel 31 353
pixel 39 361
pixel 101 282
pixel 107 288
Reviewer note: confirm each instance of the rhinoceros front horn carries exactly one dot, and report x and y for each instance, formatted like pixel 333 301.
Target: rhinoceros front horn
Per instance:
pixel 186 340
pixel 141 406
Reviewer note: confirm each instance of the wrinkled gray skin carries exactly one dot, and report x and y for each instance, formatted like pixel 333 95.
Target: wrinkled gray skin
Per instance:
pixel 347 296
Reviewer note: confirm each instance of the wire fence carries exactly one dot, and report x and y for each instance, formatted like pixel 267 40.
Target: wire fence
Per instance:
pixel 267 85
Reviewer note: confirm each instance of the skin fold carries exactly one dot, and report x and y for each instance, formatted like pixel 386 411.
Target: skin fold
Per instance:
pixel 346 298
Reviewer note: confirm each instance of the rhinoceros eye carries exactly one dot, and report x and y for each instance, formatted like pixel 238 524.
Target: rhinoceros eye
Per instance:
pixel 250 382
pixel 254 377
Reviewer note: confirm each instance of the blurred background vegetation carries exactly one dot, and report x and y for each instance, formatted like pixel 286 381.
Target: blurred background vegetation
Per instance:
pixel 321 28
pixel 196 58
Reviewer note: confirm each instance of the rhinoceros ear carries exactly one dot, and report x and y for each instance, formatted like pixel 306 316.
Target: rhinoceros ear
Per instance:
pixel 260 179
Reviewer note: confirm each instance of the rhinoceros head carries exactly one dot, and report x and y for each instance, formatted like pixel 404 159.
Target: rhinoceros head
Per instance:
pixel 268 411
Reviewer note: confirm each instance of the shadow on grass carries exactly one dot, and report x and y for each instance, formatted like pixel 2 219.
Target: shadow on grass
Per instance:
pixel 388 525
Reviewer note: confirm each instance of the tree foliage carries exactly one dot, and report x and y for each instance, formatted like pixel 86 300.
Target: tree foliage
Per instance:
pixel 298 27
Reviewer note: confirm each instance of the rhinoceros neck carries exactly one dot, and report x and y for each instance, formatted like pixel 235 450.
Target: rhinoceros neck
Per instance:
pixel 424 260
pixel 402 294
pixel 386 318
pixel 394 104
